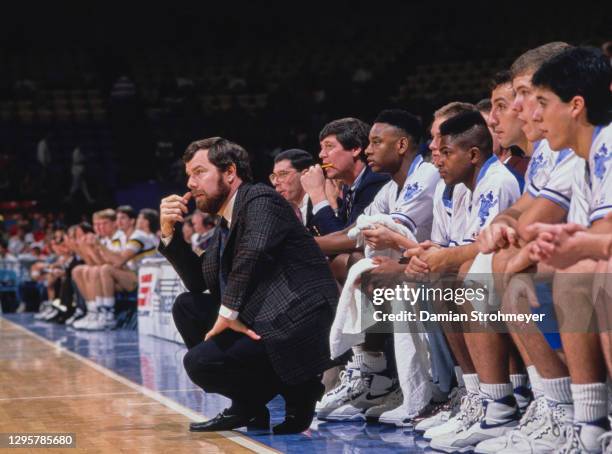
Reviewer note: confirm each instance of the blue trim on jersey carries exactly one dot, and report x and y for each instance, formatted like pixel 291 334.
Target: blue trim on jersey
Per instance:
pixel 563 196
pixel 595 217
pixel 562 155
pixel 531 191
pixel 485 168
pixel 561 203
pixel 411 224
pixel 468 240
pixel 418 159
pixel 536 144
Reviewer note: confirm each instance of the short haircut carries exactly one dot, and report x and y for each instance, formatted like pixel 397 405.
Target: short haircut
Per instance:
pixel 530 61
pixel 580 71
pixel 350 132
pixel 108 213
pixel 127 210
pixel 299 159
pixel 454 108
pixel 209 220
pixel 86 227
pixel 222 153
pixel 468 130
pixel 484 105
pixel 152 216
pixel 500 78
pixel 405 121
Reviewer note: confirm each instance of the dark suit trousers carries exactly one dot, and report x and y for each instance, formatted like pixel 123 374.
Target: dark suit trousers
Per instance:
pixel 230 364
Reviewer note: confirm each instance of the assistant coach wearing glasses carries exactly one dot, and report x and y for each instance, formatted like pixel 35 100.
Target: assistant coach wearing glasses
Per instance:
pixel 264 328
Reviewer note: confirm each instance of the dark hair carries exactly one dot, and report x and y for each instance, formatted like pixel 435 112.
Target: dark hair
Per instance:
pixel 580 71
pixel 86 227
pixel 350 132
pixel 209 220
pixel 484 105
pixel 299 159
pixel 222 153
pixel 409 124
pixel 531 60
pixel 152 216
pixel 500 78
pixel 469 129
pixel 127 210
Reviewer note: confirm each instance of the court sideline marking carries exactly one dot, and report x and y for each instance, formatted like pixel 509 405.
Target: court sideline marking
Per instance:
pixel 237 438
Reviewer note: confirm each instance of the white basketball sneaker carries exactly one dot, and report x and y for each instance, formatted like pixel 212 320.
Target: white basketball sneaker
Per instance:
pixel 606 443
pixel 450 409
pixel 92 313
pixel 496 417
pixel 360 392
pixel 582 438
pixel 469 409
pixel 105 319
pixel 541 429
pixel 391 402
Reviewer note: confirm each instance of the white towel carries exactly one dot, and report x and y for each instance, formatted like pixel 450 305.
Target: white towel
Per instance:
pixel 369 222
pixel 347 329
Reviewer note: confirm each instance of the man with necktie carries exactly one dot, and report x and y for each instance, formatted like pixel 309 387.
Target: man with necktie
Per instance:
pixel 263 329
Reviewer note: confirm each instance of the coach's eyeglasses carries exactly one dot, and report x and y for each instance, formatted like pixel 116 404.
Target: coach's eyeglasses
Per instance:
pixel 281 176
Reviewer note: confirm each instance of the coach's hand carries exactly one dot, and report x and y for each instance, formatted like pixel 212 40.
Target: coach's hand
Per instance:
pixel 223 323
pixel 171 211
pixel 313 182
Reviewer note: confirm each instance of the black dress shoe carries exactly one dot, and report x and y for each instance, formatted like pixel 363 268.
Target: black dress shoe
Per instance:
pixel 299 409
pixel 226 420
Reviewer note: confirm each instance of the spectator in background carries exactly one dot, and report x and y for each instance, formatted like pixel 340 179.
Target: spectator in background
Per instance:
pixel 17 242
pixel 43 156
pixel 78 171
pixel 5 253
pixel 203 225
pixel 188 229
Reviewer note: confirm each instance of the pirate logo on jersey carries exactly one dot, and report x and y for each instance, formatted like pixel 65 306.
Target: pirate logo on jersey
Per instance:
pixel 601 159
pixel 411 191
pixel 487 201
pixel 536 163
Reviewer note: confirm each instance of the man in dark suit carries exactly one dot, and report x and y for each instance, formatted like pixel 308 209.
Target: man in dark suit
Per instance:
pixel 272 296
pixel 289 165
pixel 343 145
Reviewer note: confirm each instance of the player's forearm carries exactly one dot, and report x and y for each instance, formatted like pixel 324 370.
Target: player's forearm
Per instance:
pixel 336 244
pixel 457 256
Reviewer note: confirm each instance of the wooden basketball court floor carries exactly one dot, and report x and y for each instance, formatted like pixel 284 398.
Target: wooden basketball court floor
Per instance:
pixel 121 393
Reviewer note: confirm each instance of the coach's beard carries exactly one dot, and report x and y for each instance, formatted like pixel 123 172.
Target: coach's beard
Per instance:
pixel 213 203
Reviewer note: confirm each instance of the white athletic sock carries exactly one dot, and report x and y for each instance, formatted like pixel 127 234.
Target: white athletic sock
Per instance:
pixel 459 375
pixel 472 384
pixel 536 382
pixel 496 391
pixel 590 402
pixel 558 390
pixel 108 301
pixel 357 359
pixel 518 380
pixel 373 362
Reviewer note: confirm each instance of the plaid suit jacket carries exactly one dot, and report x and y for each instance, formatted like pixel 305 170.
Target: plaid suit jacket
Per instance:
pixel 277 279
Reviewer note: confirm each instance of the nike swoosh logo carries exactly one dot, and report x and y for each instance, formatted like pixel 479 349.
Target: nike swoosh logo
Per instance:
pixel 485 425
pixel 370 396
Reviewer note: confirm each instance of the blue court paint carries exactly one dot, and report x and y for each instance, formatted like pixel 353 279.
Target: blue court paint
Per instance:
pixel 158 365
